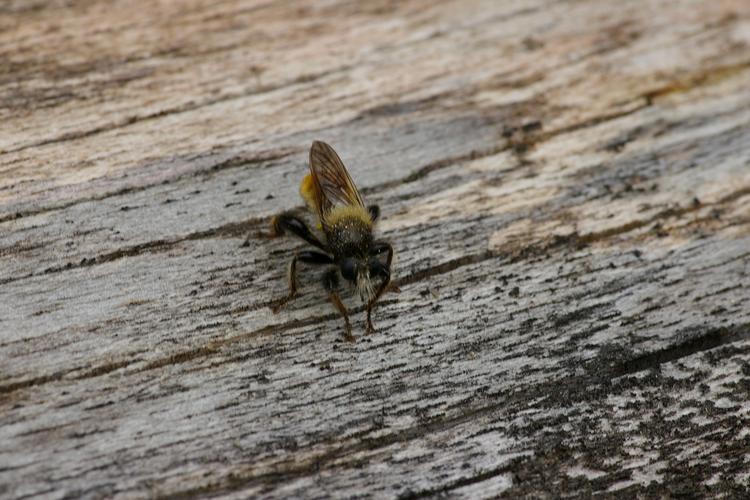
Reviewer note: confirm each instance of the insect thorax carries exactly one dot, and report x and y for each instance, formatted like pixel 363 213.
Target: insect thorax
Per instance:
pixel 350 235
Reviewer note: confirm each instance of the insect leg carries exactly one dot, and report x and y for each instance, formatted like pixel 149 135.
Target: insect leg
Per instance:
pixel 374 212
pixel 378 269
pixel 284 222
pixel 379 247
pixel 309 257
pixel 330 282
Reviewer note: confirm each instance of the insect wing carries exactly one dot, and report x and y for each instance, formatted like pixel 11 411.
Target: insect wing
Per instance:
pixel 335 186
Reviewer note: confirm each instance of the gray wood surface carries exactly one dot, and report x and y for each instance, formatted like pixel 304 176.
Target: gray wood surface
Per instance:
pixel 566 184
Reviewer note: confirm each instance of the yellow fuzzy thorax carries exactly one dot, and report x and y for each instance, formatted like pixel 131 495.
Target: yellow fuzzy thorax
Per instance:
pixel 342 212
pixel 337 214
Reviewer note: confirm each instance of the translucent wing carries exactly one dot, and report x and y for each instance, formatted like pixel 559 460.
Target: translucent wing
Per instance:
pixel 333 186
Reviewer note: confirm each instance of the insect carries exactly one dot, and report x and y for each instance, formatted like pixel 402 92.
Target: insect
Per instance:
pixel 348 249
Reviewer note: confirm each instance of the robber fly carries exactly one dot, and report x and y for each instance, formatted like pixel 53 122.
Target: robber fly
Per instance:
pixel 348 248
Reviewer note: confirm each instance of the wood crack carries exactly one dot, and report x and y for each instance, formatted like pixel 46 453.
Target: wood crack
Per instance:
pixel 229 163
pixel 134 119
pixel 570 385
pixel 705 340
pixel 458 483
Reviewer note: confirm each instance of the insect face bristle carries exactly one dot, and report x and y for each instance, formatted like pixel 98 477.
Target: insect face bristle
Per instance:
pixel 364 284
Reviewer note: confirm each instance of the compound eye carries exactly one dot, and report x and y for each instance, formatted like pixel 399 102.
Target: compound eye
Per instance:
pixel 349 269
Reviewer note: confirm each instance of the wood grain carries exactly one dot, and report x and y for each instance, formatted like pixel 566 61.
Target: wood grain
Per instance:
pixel 566 185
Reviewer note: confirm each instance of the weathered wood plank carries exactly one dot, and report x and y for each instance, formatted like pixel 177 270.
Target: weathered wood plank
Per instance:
pixel 567 186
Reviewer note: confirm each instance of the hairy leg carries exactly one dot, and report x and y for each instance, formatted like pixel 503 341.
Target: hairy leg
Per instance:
pixel 282 223
pixel 377 268
pixel 374 212
pixel 330 282
pixel 308 257
pixel 378 247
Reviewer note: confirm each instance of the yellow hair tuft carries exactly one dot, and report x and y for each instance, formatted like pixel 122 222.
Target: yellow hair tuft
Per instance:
pixel 342 212
pixel 307 191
